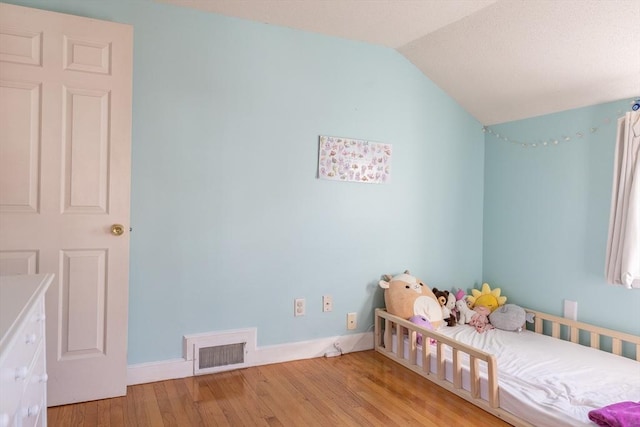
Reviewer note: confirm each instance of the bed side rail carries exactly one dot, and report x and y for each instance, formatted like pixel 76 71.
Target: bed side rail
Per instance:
pixel 548 324
pixel 386 324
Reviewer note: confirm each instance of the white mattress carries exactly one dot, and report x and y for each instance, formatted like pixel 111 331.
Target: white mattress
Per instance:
pixel 547 381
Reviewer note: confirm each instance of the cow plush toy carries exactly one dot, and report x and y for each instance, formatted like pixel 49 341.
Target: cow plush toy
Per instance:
pixel 406 296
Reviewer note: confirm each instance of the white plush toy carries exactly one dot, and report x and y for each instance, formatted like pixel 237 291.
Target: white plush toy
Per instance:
pixel 466 314
pixel 451 303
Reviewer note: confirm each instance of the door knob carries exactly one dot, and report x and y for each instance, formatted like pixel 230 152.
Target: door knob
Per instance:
pixel 117 229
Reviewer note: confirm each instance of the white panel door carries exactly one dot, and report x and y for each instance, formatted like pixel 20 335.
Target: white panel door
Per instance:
pixel 65 142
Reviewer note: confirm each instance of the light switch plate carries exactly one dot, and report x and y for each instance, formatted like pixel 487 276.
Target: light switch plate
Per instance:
pixel 571 309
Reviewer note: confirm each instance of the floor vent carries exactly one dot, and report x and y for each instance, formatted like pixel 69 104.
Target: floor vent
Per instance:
pixel 220 351
pixel 220 355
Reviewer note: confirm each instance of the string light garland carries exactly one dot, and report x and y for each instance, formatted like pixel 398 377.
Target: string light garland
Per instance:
pixel 564 138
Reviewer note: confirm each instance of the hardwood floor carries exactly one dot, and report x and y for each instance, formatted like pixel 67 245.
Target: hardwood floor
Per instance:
pixel 357 389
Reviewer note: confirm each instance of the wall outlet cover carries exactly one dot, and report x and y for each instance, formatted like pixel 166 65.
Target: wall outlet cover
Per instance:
pixel 352 320
pixel 327 303
pixel 299 307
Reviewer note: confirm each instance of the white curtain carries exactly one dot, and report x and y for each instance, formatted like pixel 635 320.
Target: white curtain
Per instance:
pixel 623 246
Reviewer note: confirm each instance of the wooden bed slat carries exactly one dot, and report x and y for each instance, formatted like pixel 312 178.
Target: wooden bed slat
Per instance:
pixel 426 358
pixel 595 340
pixel 492 377
pixel 376 331
pixel 413 347
pixel 457 369
pixel 575 334
pixel 474 373
pixel 387 335
pixel 400 333
pixel 616 346
pixel 441 362
pixel 555 330
pixel 538 325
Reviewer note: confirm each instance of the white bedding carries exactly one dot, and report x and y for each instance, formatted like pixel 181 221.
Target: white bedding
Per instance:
pixel 547 381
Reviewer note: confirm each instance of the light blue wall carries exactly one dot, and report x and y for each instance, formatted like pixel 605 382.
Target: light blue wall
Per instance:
pixel 546 216
pixel 230 222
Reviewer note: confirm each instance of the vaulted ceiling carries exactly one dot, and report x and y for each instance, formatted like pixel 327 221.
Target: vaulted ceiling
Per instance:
pixel 502 60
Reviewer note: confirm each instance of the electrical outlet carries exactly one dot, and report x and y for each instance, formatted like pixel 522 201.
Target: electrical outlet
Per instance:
pixel 299 308
pixel 352 321
pixel 327 303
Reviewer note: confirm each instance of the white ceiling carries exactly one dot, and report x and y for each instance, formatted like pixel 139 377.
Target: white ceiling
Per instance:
pixel 502 60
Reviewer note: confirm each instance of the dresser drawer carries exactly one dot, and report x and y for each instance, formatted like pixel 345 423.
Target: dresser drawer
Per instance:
pixel 33 406
pixel 16 367
pixel 26 339
pixel 23 395
pixel 11 392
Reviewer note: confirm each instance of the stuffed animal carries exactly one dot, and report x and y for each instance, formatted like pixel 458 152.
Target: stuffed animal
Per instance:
pixel 465 313
pixel 487 297
pixel 459 295
pixel 440 295
pixel 510 317
pixel 480 319
pixel 451 306
pixel 421 321
pixel 447 302
pixel 406 296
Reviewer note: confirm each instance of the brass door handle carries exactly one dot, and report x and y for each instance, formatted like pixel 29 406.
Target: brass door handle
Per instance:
pixel 117 229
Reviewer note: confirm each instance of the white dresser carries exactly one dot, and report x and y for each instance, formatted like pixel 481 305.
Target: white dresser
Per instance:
pixel 23 375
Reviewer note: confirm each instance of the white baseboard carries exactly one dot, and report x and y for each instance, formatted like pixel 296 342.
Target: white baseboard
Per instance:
pixel 159 371
pixel 181 368
pixel 310 349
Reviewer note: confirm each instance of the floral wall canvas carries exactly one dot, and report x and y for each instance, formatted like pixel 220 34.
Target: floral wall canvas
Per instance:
pixel 346 159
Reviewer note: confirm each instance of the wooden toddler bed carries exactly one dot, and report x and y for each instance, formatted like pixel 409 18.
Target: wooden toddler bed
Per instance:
pixel 545 376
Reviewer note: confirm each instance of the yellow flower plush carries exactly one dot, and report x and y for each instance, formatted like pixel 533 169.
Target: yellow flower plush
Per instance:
pixel 486 298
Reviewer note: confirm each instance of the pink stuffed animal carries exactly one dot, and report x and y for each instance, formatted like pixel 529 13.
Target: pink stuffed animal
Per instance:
pixel 422 321
pixel 458 295
pixel 480 319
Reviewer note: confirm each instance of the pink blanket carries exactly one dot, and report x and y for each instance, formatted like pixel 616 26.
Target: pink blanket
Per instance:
pixel 623 414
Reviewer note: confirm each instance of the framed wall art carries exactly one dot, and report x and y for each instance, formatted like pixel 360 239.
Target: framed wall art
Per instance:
pixel 355 160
